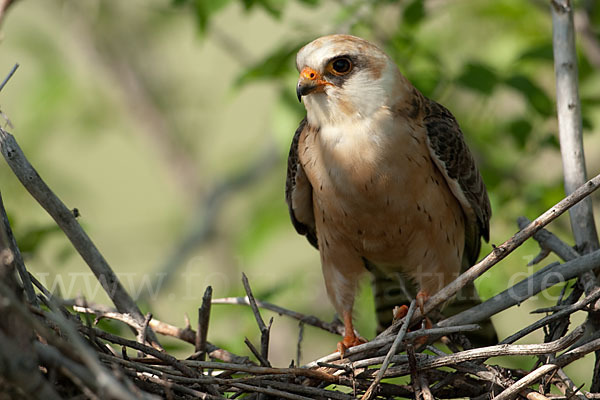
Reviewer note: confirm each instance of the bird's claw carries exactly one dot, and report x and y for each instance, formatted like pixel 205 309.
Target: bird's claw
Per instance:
pixel 400 312
pixel 347 342
pixel 422 298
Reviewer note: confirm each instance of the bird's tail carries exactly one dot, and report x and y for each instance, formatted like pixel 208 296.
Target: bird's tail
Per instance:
pixel 391 291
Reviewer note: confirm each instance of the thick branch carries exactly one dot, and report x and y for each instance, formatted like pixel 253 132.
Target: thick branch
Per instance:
pixel 569 123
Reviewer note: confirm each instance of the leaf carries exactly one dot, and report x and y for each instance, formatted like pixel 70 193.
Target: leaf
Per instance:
pixel 520 130
pixel 414 13
pixel 538 52
pixel 33 238
pixel 273 7
pixel 204 10
pixel 534 94
pixel 479 77
pixel 274 65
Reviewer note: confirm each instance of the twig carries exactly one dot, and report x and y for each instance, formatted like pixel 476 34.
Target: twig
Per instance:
pixel 569 386
pixel 300 339
pixel 528 287
pixel 386 362
pixel 187 334
pixel 203 320
pixel 261 359
pixel 264 330
pixel 335 328
pixel 22 371
pixel 106 381
pixel 269 391
pixel 500 252
pixel 51 357
pixel 560 361
pixel 11 72
pixel 548 240
pixel 141 347
pixel 375 345
pixel 17 257
pixel 487 352
pixel 420 385
pixel 68 223
pixel 546 320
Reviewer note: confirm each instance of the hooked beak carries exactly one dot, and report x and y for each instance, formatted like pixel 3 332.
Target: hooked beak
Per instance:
pixel 310 81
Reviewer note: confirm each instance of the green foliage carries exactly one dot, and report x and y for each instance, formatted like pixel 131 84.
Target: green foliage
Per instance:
pixel 203 10
pixel 479 77
pixel 274 66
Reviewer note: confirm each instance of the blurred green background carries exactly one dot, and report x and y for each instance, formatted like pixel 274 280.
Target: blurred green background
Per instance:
pixel 167 124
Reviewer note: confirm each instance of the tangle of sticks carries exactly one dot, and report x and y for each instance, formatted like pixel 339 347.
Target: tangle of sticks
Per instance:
pixel 52 348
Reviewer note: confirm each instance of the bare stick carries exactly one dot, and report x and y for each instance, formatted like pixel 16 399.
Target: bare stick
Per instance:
pixel 274 392
pixel 386 362
pixel 375 345
pixel 487 352
pixel 528 287
pixel 187 334
pixel 559 314
pixel 141 347
pixel 68 223
pixel 203 319
pixel 264 330
pixel 10 74
pixel 23 371
pixel 421 388
pixel 570 132
pixel 336 328
pixel 504 249
pixel 548 240
pixel 560 361
pixel 263 361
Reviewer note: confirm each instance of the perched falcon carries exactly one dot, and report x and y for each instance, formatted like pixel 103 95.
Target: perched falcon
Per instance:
pixel 379 178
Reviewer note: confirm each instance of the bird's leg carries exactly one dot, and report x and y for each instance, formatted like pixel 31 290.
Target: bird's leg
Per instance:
pixel 422 298
pixel 350 338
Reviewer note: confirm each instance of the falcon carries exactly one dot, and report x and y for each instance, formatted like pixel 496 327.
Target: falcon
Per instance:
pixel 379 179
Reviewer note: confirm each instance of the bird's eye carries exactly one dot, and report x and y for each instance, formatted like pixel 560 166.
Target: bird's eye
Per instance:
pixel 341 66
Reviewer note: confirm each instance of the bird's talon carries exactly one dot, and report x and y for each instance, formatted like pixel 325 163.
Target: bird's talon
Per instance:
pixel 400 312
pixel 422 298
pixel 347 342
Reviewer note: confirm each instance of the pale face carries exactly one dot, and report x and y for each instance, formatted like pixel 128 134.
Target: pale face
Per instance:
pixel 343 77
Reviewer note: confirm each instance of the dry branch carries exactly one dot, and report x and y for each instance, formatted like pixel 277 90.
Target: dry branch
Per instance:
pixel 34 184
pixel 570 131
pixel 528 287
pixel 334 327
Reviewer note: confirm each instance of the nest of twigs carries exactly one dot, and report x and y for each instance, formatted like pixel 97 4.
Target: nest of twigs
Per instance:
pixel 50 348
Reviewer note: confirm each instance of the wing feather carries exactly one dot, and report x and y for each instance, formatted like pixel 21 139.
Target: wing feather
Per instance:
pixel 299 192
pixel 454 159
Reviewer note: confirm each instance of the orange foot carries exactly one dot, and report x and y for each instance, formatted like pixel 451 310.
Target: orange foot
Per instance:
pixel 400 312
pixel 349 341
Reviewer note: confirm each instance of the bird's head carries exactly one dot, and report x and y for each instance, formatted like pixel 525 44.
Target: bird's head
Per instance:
pixel 343 76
